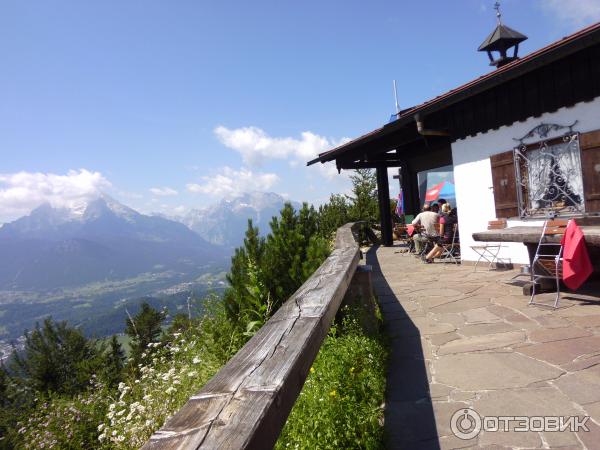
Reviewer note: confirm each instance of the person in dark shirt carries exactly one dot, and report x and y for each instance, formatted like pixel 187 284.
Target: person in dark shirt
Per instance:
pixel 447 222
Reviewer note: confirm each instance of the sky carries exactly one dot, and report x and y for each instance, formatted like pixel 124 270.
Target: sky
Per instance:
pixel 172 105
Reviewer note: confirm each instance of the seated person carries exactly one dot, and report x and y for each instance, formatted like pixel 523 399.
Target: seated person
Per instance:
pixel 429 221
pixel 447 223
pixel 444 207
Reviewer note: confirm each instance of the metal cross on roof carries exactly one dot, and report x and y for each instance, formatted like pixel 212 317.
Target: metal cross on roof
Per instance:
pixel 498 13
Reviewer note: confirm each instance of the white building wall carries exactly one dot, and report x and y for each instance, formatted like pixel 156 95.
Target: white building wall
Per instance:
pixel 473 173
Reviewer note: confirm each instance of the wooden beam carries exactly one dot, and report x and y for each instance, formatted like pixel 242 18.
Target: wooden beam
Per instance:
pixel 410 189
pixel 385 213
pixel 246 404
pixel 368 164
pixel 401 137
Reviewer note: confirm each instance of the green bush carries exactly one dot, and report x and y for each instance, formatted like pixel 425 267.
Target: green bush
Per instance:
pixel 340 404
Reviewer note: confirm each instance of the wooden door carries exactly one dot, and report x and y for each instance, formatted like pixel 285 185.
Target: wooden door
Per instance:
pixel 505 185
pixel 590 166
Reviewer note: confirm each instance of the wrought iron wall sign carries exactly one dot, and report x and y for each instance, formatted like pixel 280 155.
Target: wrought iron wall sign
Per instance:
pixel 549 177
pixel 543 130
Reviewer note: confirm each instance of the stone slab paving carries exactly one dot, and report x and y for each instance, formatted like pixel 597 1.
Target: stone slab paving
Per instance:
pixel 464 339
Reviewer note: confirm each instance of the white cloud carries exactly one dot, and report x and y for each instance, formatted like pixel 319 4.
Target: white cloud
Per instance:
pixel 163 192
pixel 256 146
pixel 23 191
pixel 575 12
pixel 180 210
pixel 229 182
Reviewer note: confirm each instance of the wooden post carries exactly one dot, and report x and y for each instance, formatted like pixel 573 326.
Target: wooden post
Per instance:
pixel 410 188
pixel 383 193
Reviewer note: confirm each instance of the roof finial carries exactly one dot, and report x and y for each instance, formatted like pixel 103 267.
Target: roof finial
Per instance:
pixel 498 13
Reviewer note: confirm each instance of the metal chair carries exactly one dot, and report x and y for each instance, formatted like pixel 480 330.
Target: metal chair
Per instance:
pixel 546 263
pixel 451 251
pixel 489 252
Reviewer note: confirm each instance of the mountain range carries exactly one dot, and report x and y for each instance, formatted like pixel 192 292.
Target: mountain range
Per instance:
pixel 99 240
pixel 102 239
pixel 225 223
pixel 91 262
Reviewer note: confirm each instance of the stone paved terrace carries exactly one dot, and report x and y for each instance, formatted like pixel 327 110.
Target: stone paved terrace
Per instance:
pixel 463 339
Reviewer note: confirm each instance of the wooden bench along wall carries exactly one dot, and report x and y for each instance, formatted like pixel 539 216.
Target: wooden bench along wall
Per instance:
pixel 246 404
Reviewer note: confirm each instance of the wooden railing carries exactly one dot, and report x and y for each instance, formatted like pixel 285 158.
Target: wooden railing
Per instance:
pixel 246 404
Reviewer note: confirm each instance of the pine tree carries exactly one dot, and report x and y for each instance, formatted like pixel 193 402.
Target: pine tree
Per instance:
pixel 283 257
pixel 364 205
pixel 8 413
pixel 144 328
pixel 317 251
pixel 58 358
pixel 114 363
pixel 265 273
pixel 236 297
pixel 333 215
pixel 4 378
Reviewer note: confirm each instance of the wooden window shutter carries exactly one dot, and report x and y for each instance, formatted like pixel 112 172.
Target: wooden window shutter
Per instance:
pixel 589 143
pixel 505 185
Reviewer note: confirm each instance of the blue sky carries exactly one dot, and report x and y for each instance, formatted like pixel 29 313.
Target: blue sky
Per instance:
pixel 173 105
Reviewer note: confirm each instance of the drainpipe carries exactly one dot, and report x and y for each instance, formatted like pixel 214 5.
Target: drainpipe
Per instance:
pixel 424 131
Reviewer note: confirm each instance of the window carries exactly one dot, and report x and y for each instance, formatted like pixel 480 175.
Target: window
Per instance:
pixel 559 175
pixel 437 183
pixel 549 177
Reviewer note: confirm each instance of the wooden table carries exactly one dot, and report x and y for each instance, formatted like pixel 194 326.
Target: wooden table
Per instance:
pixel 530 237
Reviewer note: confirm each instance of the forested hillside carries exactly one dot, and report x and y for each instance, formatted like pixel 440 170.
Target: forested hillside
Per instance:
pixel 67 391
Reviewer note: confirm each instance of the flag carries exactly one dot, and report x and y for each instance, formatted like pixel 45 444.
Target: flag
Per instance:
pixel 400 204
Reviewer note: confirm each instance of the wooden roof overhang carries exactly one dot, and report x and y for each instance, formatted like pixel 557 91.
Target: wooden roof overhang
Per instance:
pixel 562 74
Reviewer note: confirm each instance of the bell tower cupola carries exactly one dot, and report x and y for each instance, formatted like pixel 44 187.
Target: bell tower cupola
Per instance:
pixel 500 41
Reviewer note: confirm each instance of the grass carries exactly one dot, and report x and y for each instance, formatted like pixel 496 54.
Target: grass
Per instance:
pixel 340 404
